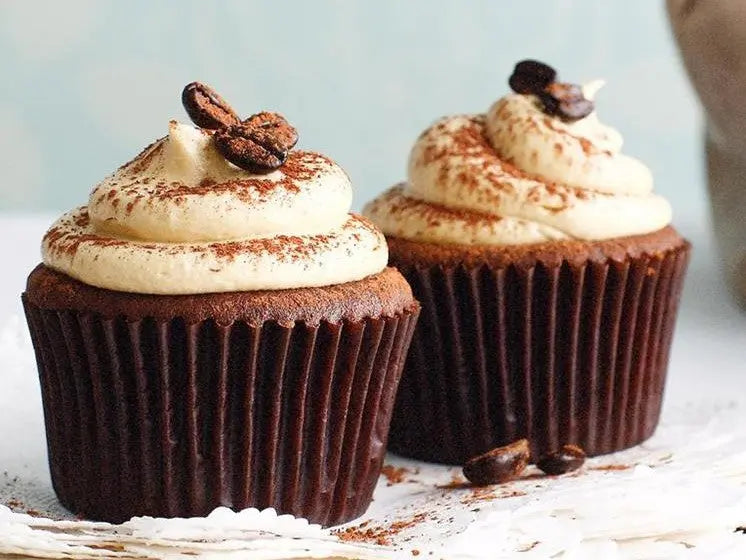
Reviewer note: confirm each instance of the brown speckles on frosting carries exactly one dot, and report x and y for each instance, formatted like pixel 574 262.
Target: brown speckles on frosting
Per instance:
pixel 67 236
pixel 144 158
pixel 515 176
pixel 300 166
pixel 402 216
pixel 183 190
pixel 75 230
pixel 181 267
pixel 460 153
pixel 180 219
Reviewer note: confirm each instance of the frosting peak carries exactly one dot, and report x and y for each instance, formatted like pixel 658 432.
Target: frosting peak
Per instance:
pixel 180 219
pixel 181 189
pixel 584 153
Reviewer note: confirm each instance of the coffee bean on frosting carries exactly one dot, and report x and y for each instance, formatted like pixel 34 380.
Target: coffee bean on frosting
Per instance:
pixel 259 144
pixel 284 133
pixel 562 100
pixel 206 108
pixel 531 76
pixel 567 102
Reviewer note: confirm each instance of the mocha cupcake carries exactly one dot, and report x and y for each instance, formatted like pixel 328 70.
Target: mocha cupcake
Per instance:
pixel 211 333
pixel 548 274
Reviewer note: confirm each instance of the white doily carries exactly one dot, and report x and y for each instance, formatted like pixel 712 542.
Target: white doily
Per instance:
pixel 682 495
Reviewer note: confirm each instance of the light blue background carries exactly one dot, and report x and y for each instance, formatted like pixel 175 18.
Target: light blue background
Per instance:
pixel 85 84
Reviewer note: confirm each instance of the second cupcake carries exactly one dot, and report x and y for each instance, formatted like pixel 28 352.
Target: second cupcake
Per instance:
pixel 548 274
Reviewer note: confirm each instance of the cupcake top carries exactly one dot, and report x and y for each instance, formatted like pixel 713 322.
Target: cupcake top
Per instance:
pixel 538 166
pixel 227 206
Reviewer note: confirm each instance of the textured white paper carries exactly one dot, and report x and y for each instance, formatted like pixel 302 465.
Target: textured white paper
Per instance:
pixel 680 495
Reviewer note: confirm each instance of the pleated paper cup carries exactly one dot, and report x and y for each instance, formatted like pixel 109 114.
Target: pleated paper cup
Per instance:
pixel 556 352
pixel 169 418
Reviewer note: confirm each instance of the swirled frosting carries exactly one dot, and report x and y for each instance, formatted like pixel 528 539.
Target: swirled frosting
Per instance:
pixel 517 175
pixel 180 219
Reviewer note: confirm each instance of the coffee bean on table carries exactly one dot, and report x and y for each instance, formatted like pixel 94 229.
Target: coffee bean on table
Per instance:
pixel 568 458
pixel 206 108
pixel 259 144
pixel 498 465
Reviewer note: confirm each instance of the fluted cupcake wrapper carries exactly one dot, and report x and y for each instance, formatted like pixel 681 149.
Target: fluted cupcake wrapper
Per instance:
pixel 556 354
pixel 174 419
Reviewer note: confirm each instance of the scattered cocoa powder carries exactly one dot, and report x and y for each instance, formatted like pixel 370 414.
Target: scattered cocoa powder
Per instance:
pixel 394 475
pixel 611 468
pixel 378 534
pixel 477 495
pixel 14 503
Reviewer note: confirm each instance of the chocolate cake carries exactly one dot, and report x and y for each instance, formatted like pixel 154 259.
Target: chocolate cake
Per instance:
pixel 548 273
pixel 216 329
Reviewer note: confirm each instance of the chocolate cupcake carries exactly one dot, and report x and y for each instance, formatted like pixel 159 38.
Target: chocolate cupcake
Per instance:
pixel 211 333
pixel 548 274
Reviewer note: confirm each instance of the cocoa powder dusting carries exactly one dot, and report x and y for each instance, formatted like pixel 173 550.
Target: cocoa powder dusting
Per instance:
pixel 434 214
pixel 300 166
pixel 486 494
pixel 82 219
pixel 378 534
pixel 144 158
pixel 469 142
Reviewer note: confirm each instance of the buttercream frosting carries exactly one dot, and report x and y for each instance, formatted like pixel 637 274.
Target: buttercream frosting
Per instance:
pixel 180 219
pixel 517 175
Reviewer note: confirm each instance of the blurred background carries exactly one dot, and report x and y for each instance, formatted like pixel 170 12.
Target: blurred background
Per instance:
pixel 85 84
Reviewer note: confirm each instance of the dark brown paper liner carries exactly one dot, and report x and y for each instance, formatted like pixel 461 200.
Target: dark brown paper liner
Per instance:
pixel 174 419
pixel 556 354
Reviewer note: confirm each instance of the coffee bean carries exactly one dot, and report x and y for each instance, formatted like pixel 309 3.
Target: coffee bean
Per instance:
pixel 259 144
pixel 549 102
pixel 568 458
pixel 284 133
pixel 564 91
pixel 566 101
pixel 575 110
pixel 498 465
pixel 206 108
pixel 531 76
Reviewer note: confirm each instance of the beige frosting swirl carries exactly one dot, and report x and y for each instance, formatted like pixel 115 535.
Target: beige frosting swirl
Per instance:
pixel 180 219
pixel 517 175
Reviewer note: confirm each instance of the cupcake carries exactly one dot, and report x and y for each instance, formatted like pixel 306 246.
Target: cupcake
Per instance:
pixel 215 329
pixel 549 278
